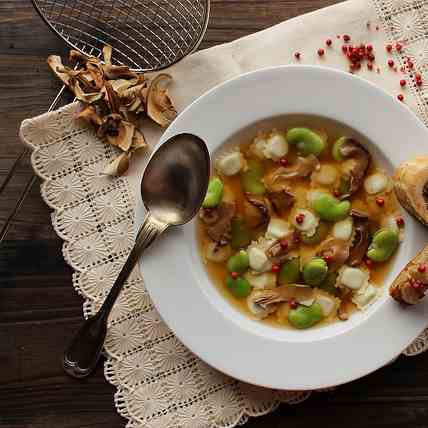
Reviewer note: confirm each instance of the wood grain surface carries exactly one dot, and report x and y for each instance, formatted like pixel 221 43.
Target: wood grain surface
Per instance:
pixel 39 309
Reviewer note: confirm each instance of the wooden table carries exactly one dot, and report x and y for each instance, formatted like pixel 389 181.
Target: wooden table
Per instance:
pixel 39 309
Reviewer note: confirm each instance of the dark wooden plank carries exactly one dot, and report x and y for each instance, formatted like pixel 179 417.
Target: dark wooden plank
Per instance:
pixel 39 309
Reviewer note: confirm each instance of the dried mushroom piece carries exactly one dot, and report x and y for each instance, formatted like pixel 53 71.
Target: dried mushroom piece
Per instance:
pixel 356 160
pixel 257 210
pixel 281 200
pixel 360 242
pixel 219 221
pixel 302 167
pixel 159 104
pixel 118 166
pixel 113 98
pixel 411 187
pixel 412 282
pixel 335 252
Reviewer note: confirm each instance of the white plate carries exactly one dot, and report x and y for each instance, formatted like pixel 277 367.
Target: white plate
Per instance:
pixel 196 311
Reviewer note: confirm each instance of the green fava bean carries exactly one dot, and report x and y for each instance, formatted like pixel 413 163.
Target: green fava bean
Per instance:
pixel 305 317
pixel 330 208
pixel 290 272
pixel 335 151
pixel 251 178
pixel 307 142
pixel 329 284
pixel 315 271
pixel 239 287
pixel 238 262
pixel 317 237
pixel 240 234
pixel 384 243
pixel 214 193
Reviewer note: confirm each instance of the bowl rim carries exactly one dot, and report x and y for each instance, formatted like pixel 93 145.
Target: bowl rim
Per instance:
pixel 412 323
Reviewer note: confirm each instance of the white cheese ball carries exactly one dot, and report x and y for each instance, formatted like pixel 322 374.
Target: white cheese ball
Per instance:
pixel 230 163
pixel 262 281
pixel 258 259
pixel 353 278
pixel 309 221
pixel 343 229
pixel 276 147
pixel 277 229
pixel 257 147
pixel 376 183
pixel 326 175
pixel 365 297
pixel 327 304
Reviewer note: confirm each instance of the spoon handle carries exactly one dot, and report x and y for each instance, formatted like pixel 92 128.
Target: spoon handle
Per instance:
pixel 84 350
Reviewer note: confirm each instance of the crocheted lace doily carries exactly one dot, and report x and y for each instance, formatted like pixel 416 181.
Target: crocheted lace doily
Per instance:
pixel 159 382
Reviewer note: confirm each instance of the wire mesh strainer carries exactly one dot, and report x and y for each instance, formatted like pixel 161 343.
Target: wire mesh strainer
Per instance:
pixel 146 35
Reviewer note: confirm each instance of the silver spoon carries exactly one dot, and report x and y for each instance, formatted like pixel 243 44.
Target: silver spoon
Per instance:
pixel 173 187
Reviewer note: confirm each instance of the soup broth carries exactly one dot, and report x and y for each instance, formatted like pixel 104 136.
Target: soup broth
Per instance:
pixel 378 210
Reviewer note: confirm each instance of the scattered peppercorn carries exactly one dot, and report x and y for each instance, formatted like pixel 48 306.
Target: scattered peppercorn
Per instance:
pixel 388 47
pixel 321 52
pixel 400 221
pixel 400 97
pixel 328 42
pixel 380 201
pixel 398 47
pixel 297 55
pixel 284 244
pixel 403 82
pixel 346 37
pixel 391 63
pixel 293 303
pixel 300 218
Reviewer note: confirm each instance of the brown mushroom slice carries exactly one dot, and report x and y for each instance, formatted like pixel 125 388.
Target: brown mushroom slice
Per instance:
pixel 281 200
pixel 335 252
pixel 357 160
pixel 109 125
pixel 159 104
pixel 284 293
pixel 411 187
pixel 81 95
pixel 112 98
pixel 302 167
pixel 278 252
pixel 90 115
pixel 257 210
pixel 138 141
pixel 118 166
pixel 219 222
pixel 125 136
pixel 55 63
pixel 361 237
pixel 76 56
pixel 411 284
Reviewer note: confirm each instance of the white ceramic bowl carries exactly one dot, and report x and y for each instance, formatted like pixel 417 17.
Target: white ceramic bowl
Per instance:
pixel 209 325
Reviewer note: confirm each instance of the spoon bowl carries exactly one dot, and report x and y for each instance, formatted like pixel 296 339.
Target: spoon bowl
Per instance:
pixel 175 180
pixel 173 188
